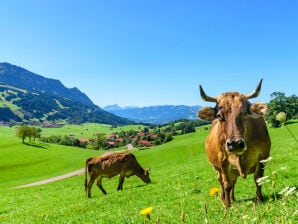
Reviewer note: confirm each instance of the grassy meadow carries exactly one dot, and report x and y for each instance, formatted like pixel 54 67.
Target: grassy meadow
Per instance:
pixel 182 178
pixel 87 130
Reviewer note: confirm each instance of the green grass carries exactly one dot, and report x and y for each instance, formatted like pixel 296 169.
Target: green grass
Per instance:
pixel 87 130
pixel 25 163
pixel 181 175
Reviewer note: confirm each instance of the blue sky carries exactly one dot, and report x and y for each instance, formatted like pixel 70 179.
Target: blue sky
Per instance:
pixel 155 52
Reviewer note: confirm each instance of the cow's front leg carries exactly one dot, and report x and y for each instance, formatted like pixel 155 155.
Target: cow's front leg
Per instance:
pixel 99 184
pixel 220 180
pixel 258 174
pixel 232 197
pixel 227 189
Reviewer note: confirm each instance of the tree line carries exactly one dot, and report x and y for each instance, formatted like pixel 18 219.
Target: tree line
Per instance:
pixel 24 132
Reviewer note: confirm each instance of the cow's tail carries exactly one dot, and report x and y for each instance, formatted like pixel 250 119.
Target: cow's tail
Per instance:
pixel 86 174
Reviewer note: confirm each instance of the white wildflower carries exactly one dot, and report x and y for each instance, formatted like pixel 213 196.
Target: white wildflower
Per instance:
pixel 244 217
pixel 287 191
pixel 264 161
pixel 292 189
pixel 281 117
pixel 263 180
pixel 254 219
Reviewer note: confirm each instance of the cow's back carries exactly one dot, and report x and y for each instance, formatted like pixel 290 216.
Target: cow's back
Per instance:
pixel 115 163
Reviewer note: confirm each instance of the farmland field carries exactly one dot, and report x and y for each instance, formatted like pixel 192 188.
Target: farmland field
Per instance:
pixel 182 178
pixel 88 130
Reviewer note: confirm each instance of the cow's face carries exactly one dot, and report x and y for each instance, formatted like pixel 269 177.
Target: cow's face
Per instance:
pixel 146 176
pixel 232 110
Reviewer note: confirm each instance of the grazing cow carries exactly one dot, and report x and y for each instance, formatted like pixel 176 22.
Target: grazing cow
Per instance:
pixel 111 165
pixel 238 139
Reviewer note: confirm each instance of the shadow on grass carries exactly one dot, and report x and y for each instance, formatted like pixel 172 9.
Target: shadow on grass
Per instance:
pixel 144 185
pixel 266 198
pixel 291 122
pixel 37 145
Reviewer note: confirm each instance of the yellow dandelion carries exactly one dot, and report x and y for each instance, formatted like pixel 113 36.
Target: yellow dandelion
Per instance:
pixel 214 191
pixel 146 212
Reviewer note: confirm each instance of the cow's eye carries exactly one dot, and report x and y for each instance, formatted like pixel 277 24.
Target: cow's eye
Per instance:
pixel 244 114
pixel 220 115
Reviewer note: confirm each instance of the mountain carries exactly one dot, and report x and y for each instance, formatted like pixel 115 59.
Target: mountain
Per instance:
pixel 155 114
pixel 28 97
pixel 24 79
pixel 112 107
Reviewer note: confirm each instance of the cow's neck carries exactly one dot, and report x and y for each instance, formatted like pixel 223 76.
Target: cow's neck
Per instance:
pixel 237 161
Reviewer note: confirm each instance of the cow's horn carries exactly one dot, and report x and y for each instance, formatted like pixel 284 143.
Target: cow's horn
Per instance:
pixel 206 97
pixel 256 92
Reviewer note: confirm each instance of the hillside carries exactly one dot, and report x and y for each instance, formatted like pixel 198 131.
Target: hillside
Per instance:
pixel 21 78
pixel 27 97
pixel 155 114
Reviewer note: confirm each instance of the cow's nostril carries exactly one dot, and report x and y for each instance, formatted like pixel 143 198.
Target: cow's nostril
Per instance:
pixel 241 144
pixel 229 145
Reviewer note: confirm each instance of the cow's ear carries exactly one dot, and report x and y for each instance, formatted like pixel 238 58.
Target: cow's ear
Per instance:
pixel 258 108
pixel 207 113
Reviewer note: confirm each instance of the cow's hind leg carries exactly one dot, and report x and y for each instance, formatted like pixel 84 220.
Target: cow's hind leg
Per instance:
pixel 99 184
pixel 90 183
pixel 121 180
pixel 258 174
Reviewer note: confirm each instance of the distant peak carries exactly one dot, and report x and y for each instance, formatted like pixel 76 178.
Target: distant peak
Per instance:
pixel 112 107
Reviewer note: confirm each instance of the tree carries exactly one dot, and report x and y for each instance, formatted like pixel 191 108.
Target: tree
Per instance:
pixel 168 137
pixel 34 133
pixel 22 132
pixel 99 142
pixel 282 103
pixel 31 132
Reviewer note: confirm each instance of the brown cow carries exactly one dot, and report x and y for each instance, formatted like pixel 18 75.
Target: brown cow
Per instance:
pixel 238 139
pixel 111 165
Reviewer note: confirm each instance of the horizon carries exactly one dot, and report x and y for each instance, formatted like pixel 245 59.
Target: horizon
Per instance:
pixel 143 54
pixel 125 107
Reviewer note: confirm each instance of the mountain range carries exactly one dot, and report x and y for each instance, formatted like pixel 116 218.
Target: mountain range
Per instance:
pixel 155 114
pixel 28 97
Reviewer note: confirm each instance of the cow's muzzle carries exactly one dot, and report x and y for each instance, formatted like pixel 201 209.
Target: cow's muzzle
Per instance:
pixel 237 146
